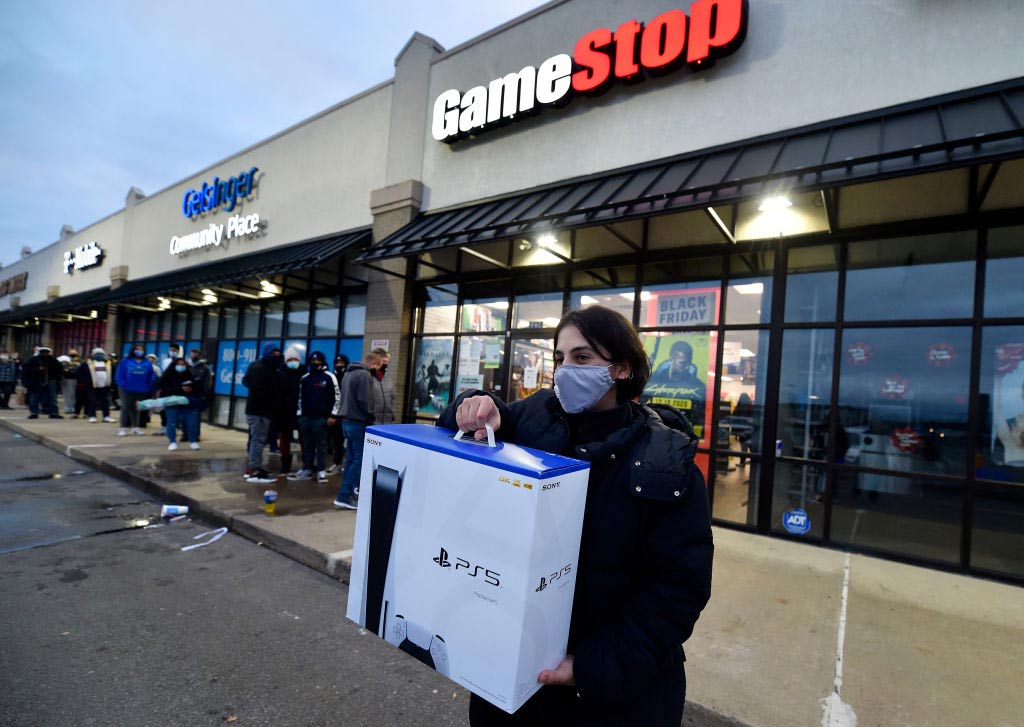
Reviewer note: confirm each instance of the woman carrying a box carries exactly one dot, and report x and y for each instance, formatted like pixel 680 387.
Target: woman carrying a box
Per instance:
pixel 644 572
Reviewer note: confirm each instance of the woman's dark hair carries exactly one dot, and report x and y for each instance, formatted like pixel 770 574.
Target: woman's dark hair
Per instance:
pixel 608 331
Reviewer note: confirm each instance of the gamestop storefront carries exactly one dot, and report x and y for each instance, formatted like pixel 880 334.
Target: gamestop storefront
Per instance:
pixel 821 257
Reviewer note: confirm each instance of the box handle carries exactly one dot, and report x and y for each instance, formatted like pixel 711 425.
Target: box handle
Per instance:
pixel 490 435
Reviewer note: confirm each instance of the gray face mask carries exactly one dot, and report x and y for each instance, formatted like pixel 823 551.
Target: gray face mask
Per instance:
pixel 579 388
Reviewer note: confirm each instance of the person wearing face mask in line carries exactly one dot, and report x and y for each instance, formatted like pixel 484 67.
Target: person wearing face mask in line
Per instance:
pixel 644 570
pixel 41 375
pixel 8 379
pixel 262 382
pixel 335 435
pixel 319 406
pixel 136 378
pixel 285 418
pixel 94 381
pixel 201 374
pixel 387 387
pixel 71 361
pixel 177 381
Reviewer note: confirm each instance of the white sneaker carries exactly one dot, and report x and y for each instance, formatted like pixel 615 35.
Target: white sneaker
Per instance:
pixel 92 420
pixel 135 431
pixel 301 475
pixel 172 447
pixel 109 420
pixel 194 445
pixel 332 469
pixel 321 477
pixel 122 432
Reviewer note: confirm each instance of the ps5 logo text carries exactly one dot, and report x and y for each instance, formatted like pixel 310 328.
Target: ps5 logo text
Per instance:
pixel 490 577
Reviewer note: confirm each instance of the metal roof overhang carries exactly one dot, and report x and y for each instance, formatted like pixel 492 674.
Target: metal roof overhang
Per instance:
pixel 287 259
pixel 965 128
pixel 66 304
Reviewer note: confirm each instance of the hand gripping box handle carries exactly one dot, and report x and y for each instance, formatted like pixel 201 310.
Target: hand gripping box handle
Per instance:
pixel 490 435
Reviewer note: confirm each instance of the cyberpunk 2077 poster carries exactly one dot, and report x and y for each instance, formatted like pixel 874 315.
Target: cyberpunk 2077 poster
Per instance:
pixel 680 363
pixel 433 373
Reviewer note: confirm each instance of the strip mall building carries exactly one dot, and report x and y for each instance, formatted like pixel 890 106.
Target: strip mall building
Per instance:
pixel 812 210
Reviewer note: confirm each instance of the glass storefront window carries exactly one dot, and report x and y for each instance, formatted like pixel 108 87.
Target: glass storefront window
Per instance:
pixel 812 283
pixel 680 304
pixel 250 320
pixel 1004 294
pixel 532 367
pixel 480 363
pixel 903 399
pixel 229 323
pixel 490 314
pixel 913 517
pixel 805 395
pixel 1000 455
pixel 212 322
pixel 931 276
pixel 179 327
pixel 749 293
pixel 439 311
pixel 798 499
pixel 298 318
pixel 273 321
pixel 164 326
pixel 618 299
pixel 734 492
pixel 354 323
pixel 432 372
pixel 195 325
pixel 740 403
pixel 542 310
pixel 997 538
pixel 325 319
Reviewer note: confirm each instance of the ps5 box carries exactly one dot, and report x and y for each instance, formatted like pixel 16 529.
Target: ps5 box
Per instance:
pixel 465 555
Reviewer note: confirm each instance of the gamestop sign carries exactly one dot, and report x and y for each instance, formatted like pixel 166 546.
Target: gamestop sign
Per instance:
pixel 633 51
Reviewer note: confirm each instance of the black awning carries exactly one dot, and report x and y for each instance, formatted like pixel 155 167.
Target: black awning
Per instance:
pixel 66 304
pixel 301 256
pixel 969 127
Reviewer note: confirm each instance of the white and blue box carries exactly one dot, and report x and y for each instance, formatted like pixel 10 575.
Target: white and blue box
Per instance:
pixel 465 555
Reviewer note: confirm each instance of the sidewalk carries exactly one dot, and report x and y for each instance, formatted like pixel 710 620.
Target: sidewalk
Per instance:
pixel 919 647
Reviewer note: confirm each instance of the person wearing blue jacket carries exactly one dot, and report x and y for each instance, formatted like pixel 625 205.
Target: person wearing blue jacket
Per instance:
pixel 319 407
pixel 136 380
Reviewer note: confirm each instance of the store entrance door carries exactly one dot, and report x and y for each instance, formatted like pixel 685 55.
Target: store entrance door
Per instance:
pixel 531 365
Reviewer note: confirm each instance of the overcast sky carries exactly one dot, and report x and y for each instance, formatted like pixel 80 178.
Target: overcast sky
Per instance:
pixel 97 97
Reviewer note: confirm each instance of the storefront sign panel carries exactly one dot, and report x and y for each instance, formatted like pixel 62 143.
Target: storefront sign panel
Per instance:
pixel 82 257
pixel 13 284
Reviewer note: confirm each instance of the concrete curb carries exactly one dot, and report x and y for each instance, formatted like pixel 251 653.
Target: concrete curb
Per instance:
pixel 249 528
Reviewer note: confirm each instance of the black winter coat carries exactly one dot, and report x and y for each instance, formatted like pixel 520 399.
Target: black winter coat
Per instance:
pixel 262 382
pixel 40 370
pixel 286 401
pixel 171 384
pixel 644 573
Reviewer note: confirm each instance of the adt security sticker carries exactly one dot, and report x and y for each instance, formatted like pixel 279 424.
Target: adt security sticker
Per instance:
pixel 796 521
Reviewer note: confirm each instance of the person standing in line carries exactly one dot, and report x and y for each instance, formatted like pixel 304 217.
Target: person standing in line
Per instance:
pixel 94 379
pixel 173 354
pixel 263 383
pixel 41 375
pixel 177 381
pixel 387 387
pixel 285 418
pixel 358 403
pixel 203 376
pixel 136 378
pixel 115 403
pixel 70 381
pixel 318 407
pixel 8 379
pixel 335 435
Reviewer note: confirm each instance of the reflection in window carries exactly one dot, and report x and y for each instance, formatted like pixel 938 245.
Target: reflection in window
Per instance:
pixel 355 315
pixel 542 310
pixel 532 367
pixel 618 299
pixel 480 359
pixel 903 400
pixel 325 320
pixel 1004 294
pixel 805 395
pixel 749 293
pixel 735 494
pixel 229 327
pixel 812 283
pixel 195 325
pixel 489 314
pixel 1001 405
pixel 931 276
pixel 798 499
pixel 250 320
pixel 273 322
pixel 298 318
pixel 439 312
pixel 997 539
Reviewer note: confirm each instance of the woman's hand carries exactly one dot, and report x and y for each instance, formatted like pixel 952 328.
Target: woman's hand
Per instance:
pixel 561 674
pixel 475 413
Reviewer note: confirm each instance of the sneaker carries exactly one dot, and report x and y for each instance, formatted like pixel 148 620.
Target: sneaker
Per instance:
pixel 261 476
pixel 92 420
pixel 56 416
pixel 351 503
pixel 301 475
pixel 136 430
pixel 275 453
pixel 172 447
pixel 109 420
pixel 122 432
pixel 33 416
pixel 321 477
pixel 194 445
pixel 355 490
pixel 333 469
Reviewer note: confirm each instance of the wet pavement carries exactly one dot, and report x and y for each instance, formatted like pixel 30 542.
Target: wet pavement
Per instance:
pixel 794 634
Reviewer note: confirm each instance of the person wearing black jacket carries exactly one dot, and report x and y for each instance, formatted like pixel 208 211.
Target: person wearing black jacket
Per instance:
pixel 177 380
pixel 41 374
pixel 263 384
pixel 644 572
pixel 335 436
pixel 286 420
pixel 201 373
pixel 319 406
